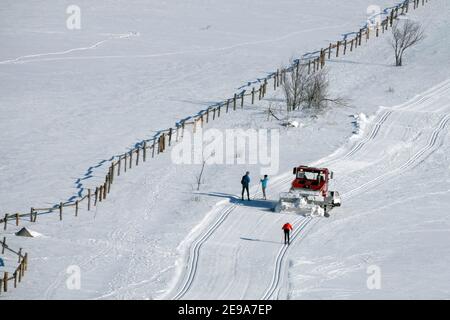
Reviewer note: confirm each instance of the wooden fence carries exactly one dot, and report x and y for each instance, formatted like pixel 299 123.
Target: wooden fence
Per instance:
pixel 166 138
pixel 19 272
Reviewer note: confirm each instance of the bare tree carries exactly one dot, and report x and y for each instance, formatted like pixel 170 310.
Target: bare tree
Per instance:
pixel 405 34
pixel 294 84
pixel 199 177
pixel 308 91
pixel 316 91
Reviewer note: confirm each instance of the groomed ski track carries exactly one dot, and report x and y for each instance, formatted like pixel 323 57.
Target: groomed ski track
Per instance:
pixel 240 255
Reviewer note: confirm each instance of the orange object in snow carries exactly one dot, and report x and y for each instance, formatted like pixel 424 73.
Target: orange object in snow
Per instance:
pixel 287 226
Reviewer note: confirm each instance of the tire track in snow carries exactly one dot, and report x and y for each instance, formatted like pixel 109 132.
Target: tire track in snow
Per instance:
pixel 280 257
pixel 438 90
pixel 194 255
pixel 305 221
pixel 411 163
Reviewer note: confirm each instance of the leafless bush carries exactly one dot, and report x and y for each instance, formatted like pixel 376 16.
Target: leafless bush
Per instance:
pixel 308 91
pixel 294 84
pixel 199 176
pixel 405 34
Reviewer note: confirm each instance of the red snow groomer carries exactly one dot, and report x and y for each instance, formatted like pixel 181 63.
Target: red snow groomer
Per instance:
pixel 309 193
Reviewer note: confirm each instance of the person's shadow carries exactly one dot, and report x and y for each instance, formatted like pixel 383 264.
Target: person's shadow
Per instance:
pixel 259 240
pixel 267 205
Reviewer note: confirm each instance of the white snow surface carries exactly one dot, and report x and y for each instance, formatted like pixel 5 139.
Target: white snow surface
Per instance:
pixel 71 99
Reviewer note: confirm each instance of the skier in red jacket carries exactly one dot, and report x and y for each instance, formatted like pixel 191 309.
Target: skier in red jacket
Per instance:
pixel 287 228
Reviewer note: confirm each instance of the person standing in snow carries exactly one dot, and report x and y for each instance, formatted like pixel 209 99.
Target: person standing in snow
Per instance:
pixel 245 184
pixel 287 228
pixel 264 185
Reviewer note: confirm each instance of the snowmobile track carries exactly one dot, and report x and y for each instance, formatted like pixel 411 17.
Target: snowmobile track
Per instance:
pixel 280 258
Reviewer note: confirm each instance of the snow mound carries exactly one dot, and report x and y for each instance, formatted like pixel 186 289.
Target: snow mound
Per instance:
pixel 360 123
pixel 24 232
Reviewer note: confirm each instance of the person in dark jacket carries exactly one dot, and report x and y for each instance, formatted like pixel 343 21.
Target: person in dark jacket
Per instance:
pixel 287 228
pixel 245 184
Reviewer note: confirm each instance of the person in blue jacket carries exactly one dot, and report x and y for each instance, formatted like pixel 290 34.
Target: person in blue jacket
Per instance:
pixel 264 185
pixel 245 181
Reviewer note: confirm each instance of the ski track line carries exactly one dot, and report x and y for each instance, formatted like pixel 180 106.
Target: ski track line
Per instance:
pixel 195 252
pixel 280 257
pixel 279 264
pixel 439 89
pixel 197 244
pixel 29 58
pixel 408 164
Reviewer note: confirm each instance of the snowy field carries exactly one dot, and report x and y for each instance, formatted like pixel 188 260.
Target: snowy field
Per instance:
pixel 69 99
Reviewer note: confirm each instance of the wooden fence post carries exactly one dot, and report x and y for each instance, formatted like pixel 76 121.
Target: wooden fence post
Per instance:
pixel 107 184
pixel 100 193
pixel 5 281
pixel 322 59
pixel 144 151
pixel 25 261
pixel 125 164
pixel 119 162
pixel 170 133
pixel 105 189
pixel 96 196
pixel 17 219
pixel 253 95
pixel 278 77
pixel 111 172
pixel 60 210
pixel 76 208
pixel 3 245
pixel 131 159
pixel 234 101
pixel 338 44
pixel 242 99
pixel 20 270
pixel 218 110
pixel 182 129
pixel 137 156
pixel 6 221
pixel 154 145
pixel 89 199
pixel 20 255
pixel 329 51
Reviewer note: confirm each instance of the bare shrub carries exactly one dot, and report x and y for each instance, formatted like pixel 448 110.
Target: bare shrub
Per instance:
pixel 405 34
pixel 308 91
pixel 294 84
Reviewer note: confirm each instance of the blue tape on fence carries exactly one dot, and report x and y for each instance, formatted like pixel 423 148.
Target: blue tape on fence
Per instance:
pixel 2 264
